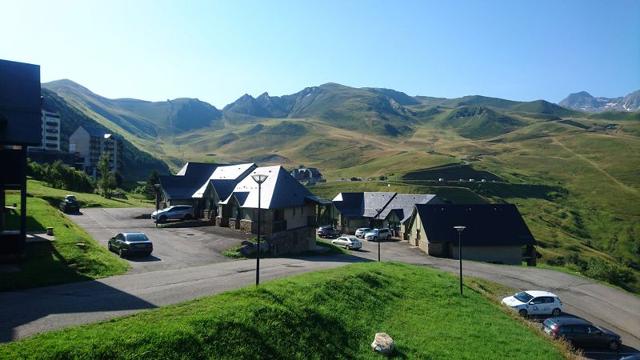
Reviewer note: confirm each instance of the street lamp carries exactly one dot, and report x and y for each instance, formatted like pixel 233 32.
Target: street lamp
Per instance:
pixel 460 229
pixel 378 211
pixel 259 178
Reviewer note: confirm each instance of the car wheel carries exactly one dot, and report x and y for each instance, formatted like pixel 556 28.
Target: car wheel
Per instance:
pixel 523 313
pixel 614 345
pixel 556 312
pixel 162 219
pixel 121 253
pixel 187 217
pixel 109 247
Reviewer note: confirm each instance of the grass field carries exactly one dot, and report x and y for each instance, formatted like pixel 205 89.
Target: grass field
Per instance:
pixel 322 315
pixel 61 261
pixel 39 189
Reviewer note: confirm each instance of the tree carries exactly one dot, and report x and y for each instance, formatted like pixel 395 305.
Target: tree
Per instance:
pixel 150 186
pixel 107 180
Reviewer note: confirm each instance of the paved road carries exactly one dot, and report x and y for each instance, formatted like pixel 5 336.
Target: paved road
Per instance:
pixel 603 305
pixel 27 312
pixel 173 248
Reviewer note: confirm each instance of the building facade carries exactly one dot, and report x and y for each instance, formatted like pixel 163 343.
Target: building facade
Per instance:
pixel 91 144
pixel 50 132
pixel 494 232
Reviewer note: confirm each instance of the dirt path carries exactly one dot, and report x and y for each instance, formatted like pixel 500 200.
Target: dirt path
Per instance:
pixel 596 166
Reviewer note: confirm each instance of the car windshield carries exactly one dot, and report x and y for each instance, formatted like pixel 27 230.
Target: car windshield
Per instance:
pixel 523 296
pixel 71 198
pixel 352 238
pixel 137 237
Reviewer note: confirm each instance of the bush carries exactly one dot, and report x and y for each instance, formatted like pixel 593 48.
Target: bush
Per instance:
pixel 61 176
pixel 611 273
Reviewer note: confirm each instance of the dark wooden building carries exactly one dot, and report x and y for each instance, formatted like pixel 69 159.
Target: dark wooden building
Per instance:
pixel 20 127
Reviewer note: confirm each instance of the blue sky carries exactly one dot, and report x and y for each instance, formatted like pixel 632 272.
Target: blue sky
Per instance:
pixel 217 51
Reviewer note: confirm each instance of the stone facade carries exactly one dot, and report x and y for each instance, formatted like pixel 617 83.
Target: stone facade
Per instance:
pixel 292 241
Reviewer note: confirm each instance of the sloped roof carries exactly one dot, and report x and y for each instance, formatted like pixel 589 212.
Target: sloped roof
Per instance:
pixel 486 224
pixel 280 190
pixel 362 204
pixel 224 179
pixel 198 170
pixel 403 204
pixel 188 180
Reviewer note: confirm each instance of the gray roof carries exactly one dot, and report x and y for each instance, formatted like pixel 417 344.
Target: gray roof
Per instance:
pixel 486 224
pixel 403 204
pixel 188 181
pixel 224 179
pixel 362 204
pixel 280 190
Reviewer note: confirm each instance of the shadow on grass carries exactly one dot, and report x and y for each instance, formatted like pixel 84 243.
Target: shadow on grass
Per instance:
pixel 44 265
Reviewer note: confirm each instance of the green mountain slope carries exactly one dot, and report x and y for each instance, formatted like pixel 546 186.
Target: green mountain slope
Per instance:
pixel 143 119
pixel 137 164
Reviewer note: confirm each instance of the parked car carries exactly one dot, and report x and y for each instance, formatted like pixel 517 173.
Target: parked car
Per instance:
pixel 378 235
pixel 361 231
pixel 69 205
pixel 328 231
pixel 534 302
pixel 348 242
pixel 176 212
pixel 125 244
pixel 581 332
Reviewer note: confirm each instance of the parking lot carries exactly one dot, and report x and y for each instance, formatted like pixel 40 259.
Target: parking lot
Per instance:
pixel 173 248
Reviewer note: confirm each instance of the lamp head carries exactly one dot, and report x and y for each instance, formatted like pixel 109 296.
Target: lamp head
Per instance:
pixel 259 178
pixel 460 228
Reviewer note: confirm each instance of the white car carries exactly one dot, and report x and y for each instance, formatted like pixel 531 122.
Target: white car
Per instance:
pixel 378 235
pixel 361 231
pixel 534 302
pixel 349 242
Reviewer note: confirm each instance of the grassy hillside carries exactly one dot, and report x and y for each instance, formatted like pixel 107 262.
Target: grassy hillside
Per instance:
pixel 61 261
pixel 137 163
pixel 324 315
pixel 574 176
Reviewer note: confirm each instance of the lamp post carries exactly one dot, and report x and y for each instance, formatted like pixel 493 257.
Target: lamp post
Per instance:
pixel 258 178
pixel 460 229
pixel 378 211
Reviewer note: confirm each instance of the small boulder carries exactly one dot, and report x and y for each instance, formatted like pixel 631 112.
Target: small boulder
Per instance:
pixel 383 343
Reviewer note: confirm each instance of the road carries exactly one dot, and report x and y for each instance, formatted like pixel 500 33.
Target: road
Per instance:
pixel 23 313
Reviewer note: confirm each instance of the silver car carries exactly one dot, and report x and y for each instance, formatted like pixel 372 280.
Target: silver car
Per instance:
pixel 361 231
pixel 348 242
pixel 176 212
pixel 378 235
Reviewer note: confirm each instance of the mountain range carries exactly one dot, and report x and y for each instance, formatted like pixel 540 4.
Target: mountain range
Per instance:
pixel 583 101
pixel 573 174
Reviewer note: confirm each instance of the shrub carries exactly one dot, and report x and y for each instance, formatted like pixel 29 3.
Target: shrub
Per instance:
pixel 61 176
pixel 611 273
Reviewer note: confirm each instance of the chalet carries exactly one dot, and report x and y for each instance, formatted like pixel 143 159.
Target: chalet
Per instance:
pixel 376 209
pixel 307 176
pixel 288 210
pixel 494 232
pixel 179 189
pixel 399 210
pixel 219 186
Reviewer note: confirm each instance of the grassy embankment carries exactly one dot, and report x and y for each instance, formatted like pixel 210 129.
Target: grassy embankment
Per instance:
pixel 322 315
pixel 61 261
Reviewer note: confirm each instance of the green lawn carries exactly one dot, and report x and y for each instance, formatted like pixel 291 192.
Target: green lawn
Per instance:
pixel 61 261
pixel 54 196
pixel 322 315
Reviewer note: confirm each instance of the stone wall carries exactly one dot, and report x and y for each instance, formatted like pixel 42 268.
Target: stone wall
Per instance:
pixel 292 241
pixel 222 221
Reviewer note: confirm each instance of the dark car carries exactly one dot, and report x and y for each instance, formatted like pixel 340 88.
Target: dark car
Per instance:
pixel 126 244
pixel 581 332
pixel 70 205
pixel 328 231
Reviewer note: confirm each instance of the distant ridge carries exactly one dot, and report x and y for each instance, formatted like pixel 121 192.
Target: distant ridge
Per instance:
pixel 583 101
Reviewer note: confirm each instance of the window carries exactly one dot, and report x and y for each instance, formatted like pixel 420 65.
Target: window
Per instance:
pixel 539 300
pixel 579 329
